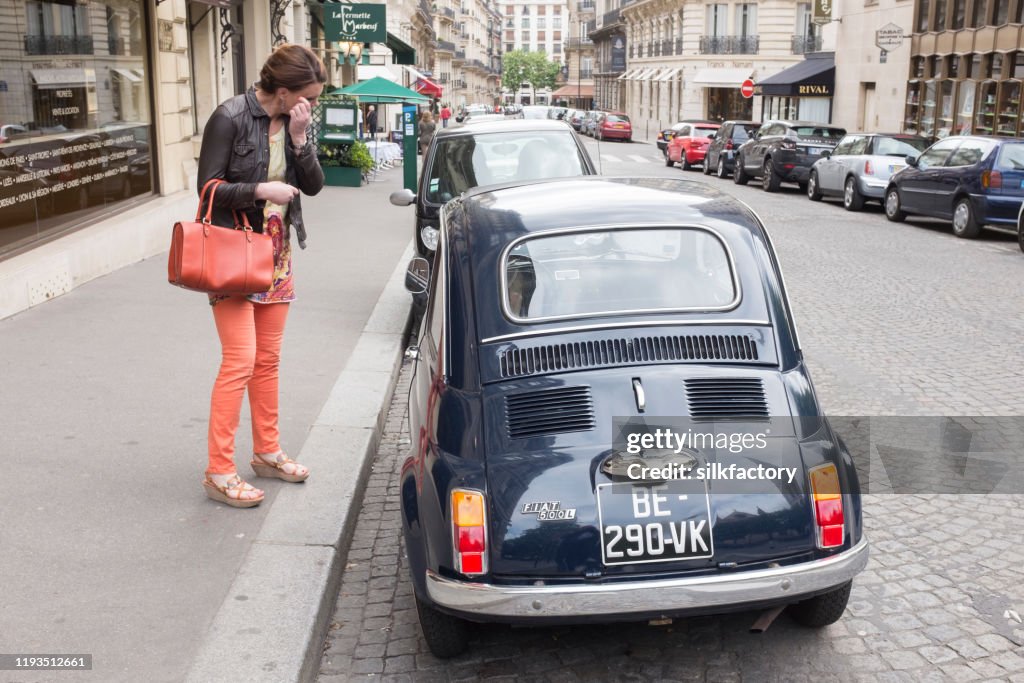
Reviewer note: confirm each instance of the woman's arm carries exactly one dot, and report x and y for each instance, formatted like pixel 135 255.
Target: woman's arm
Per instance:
pixel 214 157
pixel 308 174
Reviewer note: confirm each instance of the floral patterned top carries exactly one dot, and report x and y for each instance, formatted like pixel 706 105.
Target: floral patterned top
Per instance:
pixel 274 216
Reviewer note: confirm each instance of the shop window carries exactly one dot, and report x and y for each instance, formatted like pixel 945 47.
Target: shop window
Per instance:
pixel 75 132
pixel 965 108
pixel 1018 68
pixel 952 66
pixel 977 66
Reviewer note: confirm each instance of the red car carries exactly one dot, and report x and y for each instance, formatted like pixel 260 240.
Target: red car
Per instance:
pixel 613 125
pixel 690 144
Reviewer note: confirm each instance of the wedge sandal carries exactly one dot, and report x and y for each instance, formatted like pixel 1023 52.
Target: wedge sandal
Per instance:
pixel 237 486
pixel 274 470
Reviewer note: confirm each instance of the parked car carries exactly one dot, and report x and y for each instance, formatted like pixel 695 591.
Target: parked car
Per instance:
pixel 557 113
pixel 483 117
pixel 720 157
pixel 860 166
pixel 488 153
pixel 543 325
pixel 1020 228
pixel 590 122
pixel 535 111
pixel 575 118
pixel 613 125
pixel 689 144
pixel 783 152
pixel 972 181
pixel 9 131
pixel 666 134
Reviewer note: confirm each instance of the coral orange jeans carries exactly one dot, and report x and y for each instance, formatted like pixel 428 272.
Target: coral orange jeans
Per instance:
pixel 250 338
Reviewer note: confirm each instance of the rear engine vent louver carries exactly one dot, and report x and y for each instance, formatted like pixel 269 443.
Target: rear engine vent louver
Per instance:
pixel 550 411
pixel 711 397
pixel 533 360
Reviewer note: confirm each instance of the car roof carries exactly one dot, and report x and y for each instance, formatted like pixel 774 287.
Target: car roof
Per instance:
pixel 600 200
pixel 793 123
pixel 504 126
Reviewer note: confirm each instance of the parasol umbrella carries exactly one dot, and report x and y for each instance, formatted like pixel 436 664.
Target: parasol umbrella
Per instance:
pixel 381 91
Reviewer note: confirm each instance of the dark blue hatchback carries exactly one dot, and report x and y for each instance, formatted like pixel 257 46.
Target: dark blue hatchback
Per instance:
pixel 972 181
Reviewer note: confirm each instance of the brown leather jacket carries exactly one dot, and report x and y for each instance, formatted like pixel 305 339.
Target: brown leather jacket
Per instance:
pixel 236 148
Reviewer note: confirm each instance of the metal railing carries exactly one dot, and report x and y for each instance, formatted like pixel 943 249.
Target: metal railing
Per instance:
pixel 58 45
pixel 446 45
pixel 447 12
pixel 729 45
pixel 579 42
pixel 585 6
pixel 612 17
pixel 476 64
pixel 458 83
pixel 460 54
pixel 803 44
pixel 443 78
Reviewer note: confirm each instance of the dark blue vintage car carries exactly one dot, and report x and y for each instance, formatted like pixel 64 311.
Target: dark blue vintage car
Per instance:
pixel 971 181
pixel 569 326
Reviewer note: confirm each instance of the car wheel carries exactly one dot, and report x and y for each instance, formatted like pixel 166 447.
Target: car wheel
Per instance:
pixel 1020 231
pixel 668 160
pixel 720 168
pixel 853 200
pixel 770 180
pixel 813 191
pixel 892 206
pixel 629 140
pixel 964 222
pixel 706 167
pixel 446 636
pixel 822 610
pixel 739 173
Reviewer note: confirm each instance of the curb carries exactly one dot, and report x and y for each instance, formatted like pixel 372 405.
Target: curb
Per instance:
pixel 274 618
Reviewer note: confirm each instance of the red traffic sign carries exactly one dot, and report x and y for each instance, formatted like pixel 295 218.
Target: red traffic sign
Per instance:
pixel 747 88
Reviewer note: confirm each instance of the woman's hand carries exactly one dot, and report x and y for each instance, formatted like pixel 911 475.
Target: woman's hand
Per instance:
pixel 300 116
pixel 277 192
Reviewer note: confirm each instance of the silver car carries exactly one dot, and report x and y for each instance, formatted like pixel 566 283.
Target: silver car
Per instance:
pixel 859 167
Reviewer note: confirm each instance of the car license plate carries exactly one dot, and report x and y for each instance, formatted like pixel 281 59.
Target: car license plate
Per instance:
pixel 657 523
pixel 1022 184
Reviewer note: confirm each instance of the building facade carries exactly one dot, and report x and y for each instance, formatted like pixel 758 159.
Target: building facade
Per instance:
pixel 966 68
pixel 578 90
pixel 609 35
pixel 535 26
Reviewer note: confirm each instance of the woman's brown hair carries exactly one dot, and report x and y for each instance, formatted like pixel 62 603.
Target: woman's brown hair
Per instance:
pixel 293 67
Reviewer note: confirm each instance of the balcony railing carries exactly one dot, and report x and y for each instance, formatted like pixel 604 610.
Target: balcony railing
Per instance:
pixel 585 6
pixel 729 45
pixel 458 83
pixel 443 78
pixel 446 46
pixel 579 42
pixel 476 64
pixel 58 45
pixel 804 44
pixel 447 12
pixel 590 26
pixel 460 54
pixel 612 17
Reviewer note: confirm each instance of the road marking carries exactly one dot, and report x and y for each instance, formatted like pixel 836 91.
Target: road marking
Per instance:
pixel 611 158
pixel 640 159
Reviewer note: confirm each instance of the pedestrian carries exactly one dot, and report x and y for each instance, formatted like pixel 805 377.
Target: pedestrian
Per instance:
pixel 260 145
pixel 371 122
pixel 446 114
pixel 362 129
pixel 427 128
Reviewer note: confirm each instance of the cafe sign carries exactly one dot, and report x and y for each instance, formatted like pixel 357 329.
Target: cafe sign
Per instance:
pixel 889 37
pixel 358 23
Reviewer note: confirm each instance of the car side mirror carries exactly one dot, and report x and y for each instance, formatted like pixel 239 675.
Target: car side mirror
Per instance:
pixel 912 160
pixel 417 277
pixel 826 154
pixel 403 197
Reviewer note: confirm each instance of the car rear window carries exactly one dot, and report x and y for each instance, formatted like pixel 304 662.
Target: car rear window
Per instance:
pixel 615 271
pixel 899 147
pixel 744 132
pixel 819 132
pixel 1011 157
pixel 612 118
pixel 462 162
pixel 704 132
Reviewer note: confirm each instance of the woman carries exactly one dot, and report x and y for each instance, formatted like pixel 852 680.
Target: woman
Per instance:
pixel 427 128
pixel 259 145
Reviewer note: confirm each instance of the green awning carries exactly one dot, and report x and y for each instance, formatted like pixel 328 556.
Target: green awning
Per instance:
pixel 382 91
pixel 401 51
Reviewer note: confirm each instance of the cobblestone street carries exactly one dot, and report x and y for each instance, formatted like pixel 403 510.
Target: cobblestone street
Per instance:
pixel 894 320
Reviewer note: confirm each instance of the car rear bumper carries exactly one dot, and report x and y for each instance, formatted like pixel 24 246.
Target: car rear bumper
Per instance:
pixel 873 188
pixel 997 209
pixel 616 133
pixel 696 156
pixel 780 585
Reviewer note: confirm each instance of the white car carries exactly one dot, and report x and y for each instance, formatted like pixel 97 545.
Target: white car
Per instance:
pixel 860 166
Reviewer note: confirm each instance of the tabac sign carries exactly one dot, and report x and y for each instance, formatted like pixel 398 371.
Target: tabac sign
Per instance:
pixel 359 23
pixel 889 37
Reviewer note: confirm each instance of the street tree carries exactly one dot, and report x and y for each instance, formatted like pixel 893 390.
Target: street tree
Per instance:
pixel 541 72
pixel 514 70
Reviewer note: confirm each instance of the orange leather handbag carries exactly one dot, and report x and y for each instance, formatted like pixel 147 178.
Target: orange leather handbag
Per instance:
pixel 208 258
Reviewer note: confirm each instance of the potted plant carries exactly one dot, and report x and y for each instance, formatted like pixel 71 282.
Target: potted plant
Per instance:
pixel 345 165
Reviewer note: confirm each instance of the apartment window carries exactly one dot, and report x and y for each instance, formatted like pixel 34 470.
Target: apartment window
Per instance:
pixel 1020 12
pixel 804 25
pixel 526 22
pixel 746 19
pixel 997 65
pixel 1002 12
pixel 716 19
pixel 940 16
pixel 510 23
pixel 917 67
pixel 541 37
pixel 510 35
pixel 542 10
pixel 510 47
pixel 541 22
pixel 952 66
pixel 980 13
pixel 557 49
pixel 556 22
pixel 922 18
pixel 509 9
pixel 959 14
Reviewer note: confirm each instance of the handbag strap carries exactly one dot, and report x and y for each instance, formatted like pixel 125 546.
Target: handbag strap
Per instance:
pixel 211 185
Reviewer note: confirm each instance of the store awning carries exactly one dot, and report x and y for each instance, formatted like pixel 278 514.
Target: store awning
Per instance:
pixel 425 86
pixel 668 74
pixel 126 75
pixel 63 78
pixel 401 51
pixel 649 75
pixel 815 76
pixel 721 78
pixel 368 71
pixel 627 75
pixel 570 92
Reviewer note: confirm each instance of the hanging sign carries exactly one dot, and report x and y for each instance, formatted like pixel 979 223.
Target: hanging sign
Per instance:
pixel 822 12
pixel 359 23
pixel 889 37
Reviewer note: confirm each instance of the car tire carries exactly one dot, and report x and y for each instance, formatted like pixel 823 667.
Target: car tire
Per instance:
pixel 629 140
pixel 683 163
pixel 813 191
pixel 853 200
pixel 706 167
pixel 1020 233
pixel 965 224
pixel 668 160
pixel 720 168
pixel 446 636
pixel 892 206
pixel 824 609
pixel 770 180
pixel 739 173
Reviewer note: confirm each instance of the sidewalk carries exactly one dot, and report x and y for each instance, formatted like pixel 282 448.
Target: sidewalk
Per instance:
pixel 109 545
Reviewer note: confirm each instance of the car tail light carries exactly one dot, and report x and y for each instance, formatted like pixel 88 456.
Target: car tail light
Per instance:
pixel 828 505
pixel 867 168
pixel 787 144
pixel 661 136
pixel 991 180
pixel 469 532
